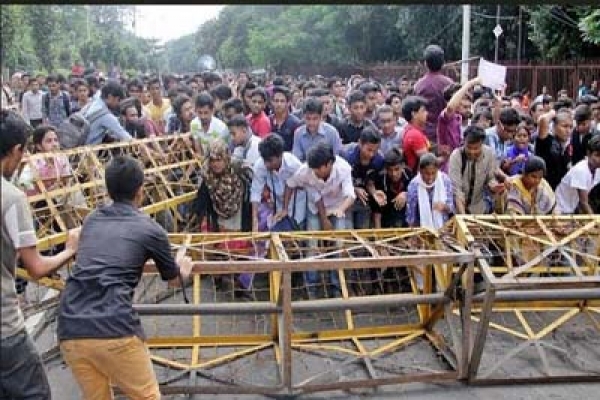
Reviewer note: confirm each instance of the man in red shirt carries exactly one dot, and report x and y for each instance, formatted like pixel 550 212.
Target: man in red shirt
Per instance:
pixel 258 120
pixel 414 142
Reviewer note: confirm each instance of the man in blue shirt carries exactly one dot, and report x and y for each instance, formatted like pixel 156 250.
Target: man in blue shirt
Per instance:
pixel 101 336
pixel 314 130
pixel 100 115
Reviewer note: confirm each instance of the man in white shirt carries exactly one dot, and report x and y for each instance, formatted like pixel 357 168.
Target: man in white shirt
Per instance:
pixel 573 191
pixel 274 168
pixel 328 180
pixel 32 104
pixel 206 127
pixel 243 141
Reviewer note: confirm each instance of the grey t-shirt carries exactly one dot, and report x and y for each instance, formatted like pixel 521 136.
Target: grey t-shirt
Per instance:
pixel 115 243
pixel 17 233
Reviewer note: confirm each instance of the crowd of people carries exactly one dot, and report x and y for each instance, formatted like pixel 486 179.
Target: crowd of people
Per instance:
pixel 278 154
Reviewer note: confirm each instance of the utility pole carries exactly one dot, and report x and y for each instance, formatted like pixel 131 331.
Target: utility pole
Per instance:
pixel 519 43
pixel 466 33
pixel 497 36
pixel 87 8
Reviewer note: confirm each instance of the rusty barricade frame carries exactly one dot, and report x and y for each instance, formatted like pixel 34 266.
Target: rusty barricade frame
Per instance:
pixel 515 288
pixel 432 305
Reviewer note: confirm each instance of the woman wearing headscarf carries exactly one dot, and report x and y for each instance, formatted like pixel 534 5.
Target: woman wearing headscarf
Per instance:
pixel 224 199
pixel 530 193
pixel 224 189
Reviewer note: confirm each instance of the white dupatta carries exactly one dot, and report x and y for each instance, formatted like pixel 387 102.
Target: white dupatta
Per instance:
pixel 429 217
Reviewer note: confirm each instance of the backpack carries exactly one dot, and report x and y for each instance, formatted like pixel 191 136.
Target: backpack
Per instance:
pixel 74 131
pixel 65 99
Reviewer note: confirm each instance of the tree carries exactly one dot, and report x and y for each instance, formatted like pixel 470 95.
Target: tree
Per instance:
pixel 555 34
pixel 590 26
pixel 10 21
pixel 44 27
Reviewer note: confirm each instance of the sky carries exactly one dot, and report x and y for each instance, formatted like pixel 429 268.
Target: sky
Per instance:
pixel 170 22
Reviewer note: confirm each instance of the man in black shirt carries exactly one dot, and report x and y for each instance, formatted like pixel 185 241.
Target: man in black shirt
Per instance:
pixel 282 122
pixel 582 133
pixel 350 128
pixel 100 334
pixel 555 149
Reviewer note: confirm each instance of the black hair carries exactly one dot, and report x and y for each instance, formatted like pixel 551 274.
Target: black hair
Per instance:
pixel 412 104
pixel 312 105
pixel 526 119
pixel 370 135
pixel 283 90
pixel 172 93
pixel 123 176
pixel 593 145
pixel 271 146
pixel 509 116
pixel 474 134
pixel 221 92
pixel 582 113
pixel 356 96
pixel 483 112
pixel 154 81
pixel 546 99
pixel 212 77
pixel 450 90
pixel 306 86
pixel 237 121
pixel 278 81
pixel 13 131
pixel 38 134
pixel 112 88
pixel 534 164
pixel 383 109
pixel 79 82
pixel 332 81
pixel 320 155
pixel 391 97
pixel 135 82
pixel 533 106
pixel 51 78
pixel 178 103
pixel 128 103
pixel 235 103
pixel 427 160
pixel 260 92
pixel 204 100
pixel 249 86
pixel 319 92
pixel 184 89
pixel 369 87
pixel 563 103
pixel 434 57
pixel 393 157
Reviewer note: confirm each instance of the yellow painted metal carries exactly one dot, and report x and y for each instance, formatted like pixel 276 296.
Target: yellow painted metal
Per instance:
pixel 396 343
pixel 231 356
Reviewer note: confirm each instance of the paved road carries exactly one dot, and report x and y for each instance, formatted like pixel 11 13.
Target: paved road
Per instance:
pixel 64 388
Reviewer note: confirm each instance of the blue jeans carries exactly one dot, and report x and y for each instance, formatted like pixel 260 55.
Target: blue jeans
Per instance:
pixel 22 375
pixel 358 216
pixel 313 223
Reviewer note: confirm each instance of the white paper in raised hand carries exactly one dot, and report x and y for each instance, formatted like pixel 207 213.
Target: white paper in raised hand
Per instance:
pixel 492 75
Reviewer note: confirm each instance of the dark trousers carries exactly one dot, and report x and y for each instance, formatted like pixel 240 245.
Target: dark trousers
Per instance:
pixel 22 375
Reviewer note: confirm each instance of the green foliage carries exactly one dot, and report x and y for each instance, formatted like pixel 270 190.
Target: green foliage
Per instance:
pixel 48 37
pixel 556 36
pixel 283 36
pixel 590 26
